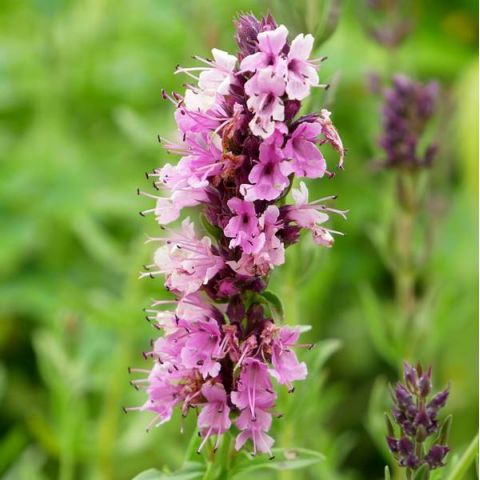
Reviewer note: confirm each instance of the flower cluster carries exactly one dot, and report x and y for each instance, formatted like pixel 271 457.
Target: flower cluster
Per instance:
pixel 416 417
pixel 407 109
pixel 241 144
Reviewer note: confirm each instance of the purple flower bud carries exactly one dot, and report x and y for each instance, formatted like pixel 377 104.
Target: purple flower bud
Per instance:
pixel 411 377
pixel 436 455
pixel 236 309
pixel 403 396
pixel 425 383
pixel 248 28
pixel 405 446
pixel 439 400
pixel 392 444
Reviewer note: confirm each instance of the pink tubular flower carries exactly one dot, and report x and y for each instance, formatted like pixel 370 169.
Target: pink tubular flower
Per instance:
pixel 202 347
pixel 268 180
pixel 265 90
pixel 218 76
pixel 186 261
pixel 270 251
pixel 255 428
pixel 254 398
pixel 254 387
pixel 286 367
pixel 215 78
pixel 270 45
pixel 305 158
pixel 301 74
pixel 243 227
pixel 214 418
pixel 312 215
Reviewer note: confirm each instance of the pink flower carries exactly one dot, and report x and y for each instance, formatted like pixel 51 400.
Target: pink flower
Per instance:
pixel 218 76
pixel 215 78
pixel 270 251
pixel 301 74
pixel 270 46
pixel 166 388
pixel 305 158
pixel 201 347
pixel 214 417
pixel 186 191
pixel 186 261
pixel 267 178
pixel 286 367
pixel 242 227
pixel 254 397
pixel 312 215
pixel 254 388
pixel 254 427
pixel 196 120
pixel 264 91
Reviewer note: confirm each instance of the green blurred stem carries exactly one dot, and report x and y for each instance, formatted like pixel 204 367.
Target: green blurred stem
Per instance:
pixel 405 272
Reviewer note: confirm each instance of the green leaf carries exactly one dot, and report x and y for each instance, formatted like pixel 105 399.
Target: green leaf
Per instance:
pixel 212 230
pixel 465 461
pixel 190 471
pixel 284 459
pixel 387 473
pixel 192 448
pixel 423 473
pixel 275 305
pixel 445 431
pixel 377 326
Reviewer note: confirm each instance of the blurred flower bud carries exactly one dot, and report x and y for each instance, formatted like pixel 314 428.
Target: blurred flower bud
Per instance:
pixel 407 110
pixel 417 421
pixel 388 22
pixel 318 17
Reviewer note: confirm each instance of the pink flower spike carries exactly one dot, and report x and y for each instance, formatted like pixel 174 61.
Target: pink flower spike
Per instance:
pixel 214 417
pixel 305 158
pixel 301 74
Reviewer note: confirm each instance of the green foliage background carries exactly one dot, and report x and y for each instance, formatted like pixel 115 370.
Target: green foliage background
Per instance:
pixel 80 107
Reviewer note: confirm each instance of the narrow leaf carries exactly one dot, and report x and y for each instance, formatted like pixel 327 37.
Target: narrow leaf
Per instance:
pixel 445 431
pixel 190 471
pixel 284 459
pixel 465 461
pixel 387 473
pixel 275 305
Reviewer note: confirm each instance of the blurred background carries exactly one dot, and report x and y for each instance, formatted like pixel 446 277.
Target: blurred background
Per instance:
pixel 80 108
